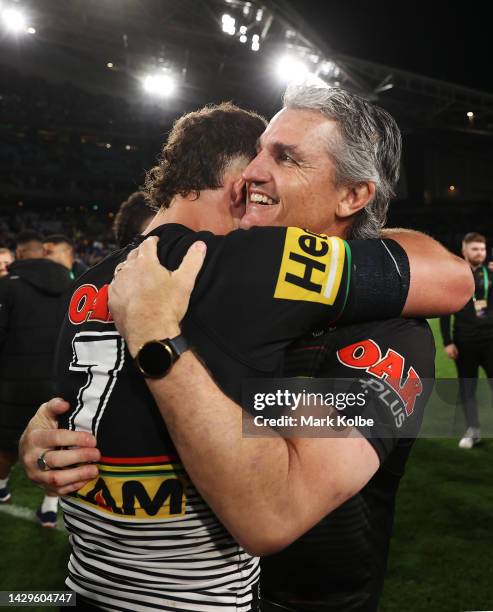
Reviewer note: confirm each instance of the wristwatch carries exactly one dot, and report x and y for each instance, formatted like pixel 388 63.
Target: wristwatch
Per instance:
pixel 155 358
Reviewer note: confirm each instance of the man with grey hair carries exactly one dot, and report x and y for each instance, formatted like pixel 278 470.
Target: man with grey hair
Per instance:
pixel 364 145
pixel 328 161
pixel 265 491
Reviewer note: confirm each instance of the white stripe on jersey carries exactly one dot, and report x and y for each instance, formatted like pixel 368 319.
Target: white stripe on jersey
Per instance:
pixel 189 563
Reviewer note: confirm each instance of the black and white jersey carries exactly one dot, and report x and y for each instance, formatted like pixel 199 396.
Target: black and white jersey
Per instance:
pixel 142 537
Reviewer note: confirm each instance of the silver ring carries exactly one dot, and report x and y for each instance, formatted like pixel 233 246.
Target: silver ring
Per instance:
pixel 42 465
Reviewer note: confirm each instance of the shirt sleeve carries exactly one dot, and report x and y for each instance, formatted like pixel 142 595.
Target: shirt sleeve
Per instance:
pixel 262 288
pixel 391 370
pixel 445 329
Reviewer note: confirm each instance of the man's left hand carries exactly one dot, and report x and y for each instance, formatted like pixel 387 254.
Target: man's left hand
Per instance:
pixel 147 301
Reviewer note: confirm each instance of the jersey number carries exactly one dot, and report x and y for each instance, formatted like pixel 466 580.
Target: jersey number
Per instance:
pixel 101 356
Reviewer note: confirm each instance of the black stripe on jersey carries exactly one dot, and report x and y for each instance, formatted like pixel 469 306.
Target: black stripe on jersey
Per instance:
pixel 192 605
pixel 150 577
pixel 219 555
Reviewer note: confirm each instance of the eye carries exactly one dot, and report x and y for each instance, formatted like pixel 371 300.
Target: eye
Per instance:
pixel 286 158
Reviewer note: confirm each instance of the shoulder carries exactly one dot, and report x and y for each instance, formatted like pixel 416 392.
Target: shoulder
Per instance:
pixel 411 335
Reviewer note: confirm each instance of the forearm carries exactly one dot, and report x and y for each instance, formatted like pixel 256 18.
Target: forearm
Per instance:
pixel 441 283
pixel 246 481
pixel 258 487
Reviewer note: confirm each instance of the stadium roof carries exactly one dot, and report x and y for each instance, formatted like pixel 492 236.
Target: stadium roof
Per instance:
pixel 109 46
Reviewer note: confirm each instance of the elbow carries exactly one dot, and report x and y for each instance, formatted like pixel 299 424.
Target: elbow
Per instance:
pixel 463 286
pixel 264 536
pixel 266 541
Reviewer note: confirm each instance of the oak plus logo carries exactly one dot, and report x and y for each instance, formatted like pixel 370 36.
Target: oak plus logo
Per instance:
pixel 396 387
pixel 89 303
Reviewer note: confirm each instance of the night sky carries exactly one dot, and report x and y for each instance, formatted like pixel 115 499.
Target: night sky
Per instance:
pixel 448 41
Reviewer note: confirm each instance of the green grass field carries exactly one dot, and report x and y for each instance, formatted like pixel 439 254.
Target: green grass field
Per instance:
pixel 440 553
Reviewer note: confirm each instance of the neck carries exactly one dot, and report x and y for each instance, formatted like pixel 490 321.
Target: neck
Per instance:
pixel 475 266
pixel 338 228
pixel 177 212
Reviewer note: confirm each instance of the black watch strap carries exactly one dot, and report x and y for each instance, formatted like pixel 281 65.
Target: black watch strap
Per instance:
pixel 155 358
pixel 179 344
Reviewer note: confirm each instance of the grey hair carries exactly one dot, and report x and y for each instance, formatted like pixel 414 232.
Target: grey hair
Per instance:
pixel 367 148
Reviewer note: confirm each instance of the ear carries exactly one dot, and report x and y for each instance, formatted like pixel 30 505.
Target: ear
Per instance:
pixel 192 196
pixel 354 197
pixel 237 192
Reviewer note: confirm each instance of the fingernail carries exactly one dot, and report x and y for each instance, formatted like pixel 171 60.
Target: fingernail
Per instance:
pixel 200 246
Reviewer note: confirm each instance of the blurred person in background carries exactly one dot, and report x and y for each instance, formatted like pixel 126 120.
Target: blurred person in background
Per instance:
pixel 31 309
pixel 133 216
pixel 29 246
pixel 61 249
pixel 471 343
pixel 6 258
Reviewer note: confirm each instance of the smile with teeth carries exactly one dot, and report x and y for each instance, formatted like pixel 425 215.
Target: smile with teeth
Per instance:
pixel 259 198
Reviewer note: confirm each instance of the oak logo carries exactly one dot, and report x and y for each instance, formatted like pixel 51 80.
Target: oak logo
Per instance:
pixel 366 355
pixel 148 497
pixel 311 267
pixel 89 303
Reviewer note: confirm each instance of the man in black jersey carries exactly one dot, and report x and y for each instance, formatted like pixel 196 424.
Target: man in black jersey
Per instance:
pixel 471 345
pixel 232 350
pixel 268 492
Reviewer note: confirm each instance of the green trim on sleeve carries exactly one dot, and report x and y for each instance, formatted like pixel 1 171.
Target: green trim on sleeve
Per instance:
pixel 348 256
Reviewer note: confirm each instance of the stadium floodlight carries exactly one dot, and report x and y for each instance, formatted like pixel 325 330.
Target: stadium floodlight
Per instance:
pixel 470 115
pixel 243 38
pixel 255 42
pixel 31 30
pixel 14 20
pixel 161 85
pixel 228 24
pixel 291 69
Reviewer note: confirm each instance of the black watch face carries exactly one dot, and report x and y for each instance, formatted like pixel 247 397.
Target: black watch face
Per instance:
pixel 155 359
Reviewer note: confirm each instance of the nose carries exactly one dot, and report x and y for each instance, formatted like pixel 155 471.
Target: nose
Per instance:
pixel 258 170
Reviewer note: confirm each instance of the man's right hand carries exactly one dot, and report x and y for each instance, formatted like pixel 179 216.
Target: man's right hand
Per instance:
pixel 451 351
pixel 43 436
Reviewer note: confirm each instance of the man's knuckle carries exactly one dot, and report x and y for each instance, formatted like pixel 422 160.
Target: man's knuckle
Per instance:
pixel 54 480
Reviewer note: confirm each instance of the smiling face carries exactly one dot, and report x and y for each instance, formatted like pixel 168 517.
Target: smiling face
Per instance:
pixel 291 180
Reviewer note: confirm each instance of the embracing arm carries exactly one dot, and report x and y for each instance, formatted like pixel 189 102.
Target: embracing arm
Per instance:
pixel 441 283
pixel 266 491
pixel 257 487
